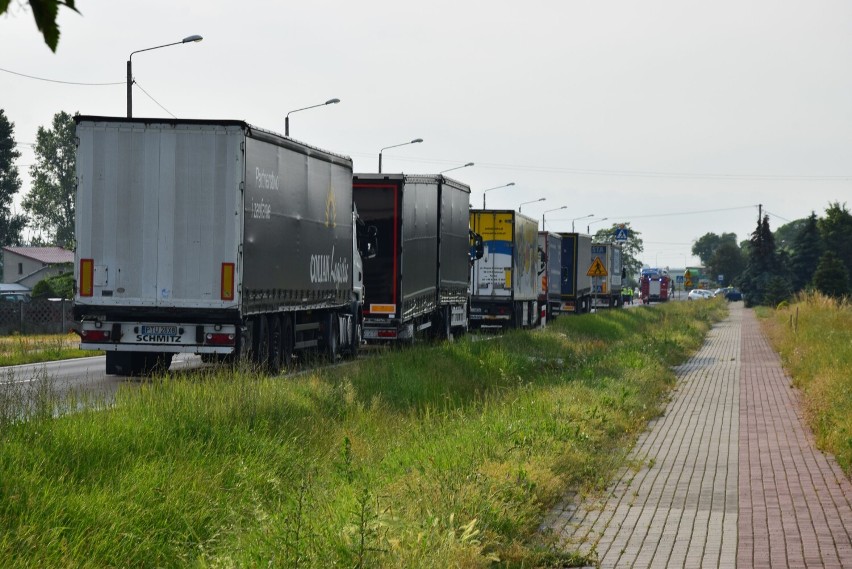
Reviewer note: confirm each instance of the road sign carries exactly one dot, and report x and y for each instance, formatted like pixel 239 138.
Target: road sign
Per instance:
pixel 679 279
pixel 597 269
pixel 721 278
pixel 622 233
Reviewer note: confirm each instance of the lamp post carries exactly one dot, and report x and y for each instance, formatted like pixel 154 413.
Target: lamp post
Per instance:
pixel 522 204
pixel 287 117
pixel 457 167
pixel 494 188
pixel 576 218
pixel 188 39
pixel 548 211
pixel 415 141
pixel 593 222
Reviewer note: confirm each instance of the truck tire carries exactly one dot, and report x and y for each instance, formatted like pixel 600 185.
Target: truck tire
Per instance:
pixel 287 341
pixel 260 356
pixel 356 333
pixel 332 337
pixel 276 344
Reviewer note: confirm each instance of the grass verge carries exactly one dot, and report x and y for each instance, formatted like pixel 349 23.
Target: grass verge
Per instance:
pixel 813 337
pixel 438 456
pixel 17 349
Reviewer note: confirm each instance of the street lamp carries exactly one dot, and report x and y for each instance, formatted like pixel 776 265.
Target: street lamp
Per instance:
pixel 415 141
pixel 593 222
pixel 457 167
pixel 548 211
pixel 576 218
pixel 188 39
pixel 287 117
pixel 494 188
pixel 531 201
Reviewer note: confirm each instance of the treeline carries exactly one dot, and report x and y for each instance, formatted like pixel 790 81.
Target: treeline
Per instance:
pixel 809 254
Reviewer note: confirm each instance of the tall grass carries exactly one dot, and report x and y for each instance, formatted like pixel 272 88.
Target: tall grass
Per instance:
pixel 438 456
pixel 21 349
pixel 814 337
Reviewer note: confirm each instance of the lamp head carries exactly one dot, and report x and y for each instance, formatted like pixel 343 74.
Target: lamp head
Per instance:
pixel 332 101
pixel 192 38
pixel 416 140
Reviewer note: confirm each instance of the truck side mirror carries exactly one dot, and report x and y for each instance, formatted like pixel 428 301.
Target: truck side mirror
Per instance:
pixel 542 260
pixel 368 242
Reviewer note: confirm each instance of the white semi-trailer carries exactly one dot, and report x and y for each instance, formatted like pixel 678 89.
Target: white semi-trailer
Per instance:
pixel 212 237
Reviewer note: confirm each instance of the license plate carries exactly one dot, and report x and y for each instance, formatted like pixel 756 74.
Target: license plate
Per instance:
pixel 160 330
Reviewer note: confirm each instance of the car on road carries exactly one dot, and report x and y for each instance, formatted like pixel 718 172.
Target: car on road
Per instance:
pixel 730 293
pixel 699 294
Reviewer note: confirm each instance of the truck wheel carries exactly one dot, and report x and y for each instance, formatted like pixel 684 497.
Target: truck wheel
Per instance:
pixel 332 329
pixel 448 324
pixel 276 344
pixel 260 357
pixel 287 341
pixel 356 333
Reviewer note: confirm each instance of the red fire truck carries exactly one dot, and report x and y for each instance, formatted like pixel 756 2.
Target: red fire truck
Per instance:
pixel 655 284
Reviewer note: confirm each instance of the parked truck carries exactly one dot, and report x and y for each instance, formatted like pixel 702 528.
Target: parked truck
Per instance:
pixel 504 282
pixel 575 283
pixel 212 237
pixel 417 284
pixel 606 287
pixel 550 293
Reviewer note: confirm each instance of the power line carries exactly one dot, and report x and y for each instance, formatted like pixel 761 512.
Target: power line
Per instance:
pixel 153 99
pixel 58 81
pixel 634 216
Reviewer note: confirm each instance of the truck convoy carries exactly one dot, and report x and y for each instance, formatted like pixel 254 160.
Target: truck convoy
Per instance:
pixel 549 295
pixel 504 282
pixel 212 237
pixel 654 285
pixel 418 281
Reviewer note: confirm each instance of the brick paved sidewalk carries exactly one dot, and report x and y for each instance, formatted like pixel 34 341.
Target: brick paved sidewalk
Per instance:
pixel 729 475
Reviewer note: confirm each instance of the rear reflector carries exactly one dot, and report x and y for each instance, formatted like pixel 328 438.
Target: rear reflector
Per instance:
pixel 387 333
pixel 94 335
pixel 87 277
pixel 383 308
pixel 227 281
pixel 220 339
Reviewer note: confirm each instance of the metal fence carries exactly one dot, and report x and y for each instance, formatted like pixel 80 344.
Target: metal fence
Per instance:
pixel 37 316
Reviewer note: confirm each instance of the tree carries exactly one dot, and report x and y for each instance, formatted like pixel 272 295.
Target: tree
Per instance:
pixel 764 279
pixel 706 245
pixel 50 202
pixel 630 251
pixel 807 250
pixel 10 225
pixel 831 277
pixel 836 231
pixel 727 260
pixel 45 13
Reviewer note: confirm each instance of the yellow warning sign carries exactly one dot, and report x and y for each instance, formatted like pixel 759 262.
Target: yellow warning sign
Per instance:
pixel 597 269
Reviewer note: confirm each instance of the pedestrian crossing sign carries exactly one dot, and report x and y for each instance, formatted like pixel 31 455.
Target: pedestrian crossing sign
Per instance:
pixel 597 269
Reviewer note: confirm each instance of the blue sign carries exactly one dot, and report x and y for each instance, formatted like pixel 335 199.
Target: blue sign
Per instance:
pixel 679 279
pixel 621 234
pixel 721 278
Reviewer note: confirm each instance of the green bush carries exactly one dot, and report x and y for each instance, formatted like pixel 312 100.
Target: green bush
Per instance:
pixel 59 286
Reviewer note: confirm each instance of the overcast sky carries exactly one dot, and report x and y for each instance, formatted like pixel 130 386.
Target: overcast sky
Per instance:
pixel 676 116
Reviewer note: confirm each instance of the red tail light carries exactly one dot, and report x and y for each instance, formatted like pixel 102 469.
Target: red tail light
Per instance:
pixel 94 335
pixel 219 339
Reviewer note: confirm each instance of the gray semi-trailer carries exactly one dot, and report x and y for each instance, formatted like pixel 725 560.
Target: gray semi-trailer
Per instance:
pixel 575 283
pixel 212 237
pixel 417 283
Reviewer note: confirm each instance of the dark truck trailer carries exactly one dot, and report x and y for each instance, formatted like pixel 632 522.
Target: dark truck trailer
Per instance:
pixel 418 281
pixel 504 282
pixel 211 237
pixel 575 284
pixel 550 293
